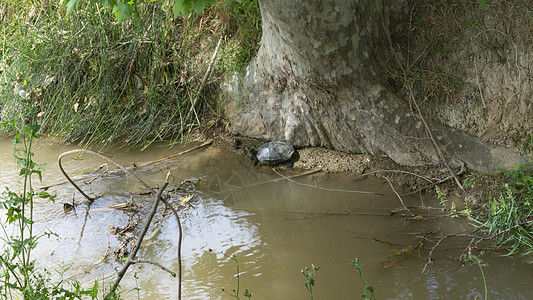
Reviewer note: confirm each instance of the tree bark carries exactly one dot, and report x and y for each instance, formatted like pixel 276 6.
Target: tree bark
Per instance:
pixel 317 80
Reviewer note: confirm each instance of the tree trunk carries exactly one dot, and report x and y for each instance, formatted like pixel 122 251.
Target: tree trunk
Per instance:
pixel 317 80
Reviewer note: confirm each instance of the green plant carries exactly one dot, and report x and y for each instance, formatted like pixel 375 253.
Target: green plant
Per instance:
pixel 368 287
pixel 19 276
pixel 507 216
pixel 309 274
pixel 97 81
pixel 472 22
pixel 469 257
pixel 452 211
pixel 245 30
pixel 235 292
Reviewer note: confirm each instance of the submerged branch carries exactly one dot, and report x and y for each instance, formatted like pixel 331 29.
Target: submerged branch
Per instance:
pixel 207 143
pixel 102 157
pixel 319 187
pixel 157 198
pixel 172 273
pixel 145 185
pixel 399 197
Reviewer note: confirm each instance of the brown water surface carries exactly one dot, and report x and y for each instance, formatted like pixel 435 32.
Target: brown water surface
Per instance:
pixel 274 229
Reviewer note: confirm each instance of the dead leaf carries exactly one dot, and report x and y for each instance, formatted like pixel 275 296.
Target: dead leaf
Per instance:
pixel 184 200
pixel 388 264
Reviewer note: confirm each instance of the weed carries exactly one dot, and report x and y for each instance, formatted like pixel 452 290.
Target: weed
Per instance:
pixel 527 147
pixel 19 276
pixel 309 274
pixel 508 214
pixel 368 287
pixel 235 292
pixel 245 28
pixel 469 257
pixel 452 211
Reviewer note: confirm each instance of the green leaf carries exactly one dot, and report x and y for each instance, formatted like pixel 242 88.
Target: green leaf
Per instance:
pixel 123 10
pixel 370 288
pixel 182 6
pixel 72 4
pixel 482 3
pixel 199 6
pixel 110 3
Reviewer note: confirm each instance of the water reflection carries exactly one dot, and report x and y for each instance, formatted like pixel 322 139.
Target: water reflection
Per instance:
pixel 274 228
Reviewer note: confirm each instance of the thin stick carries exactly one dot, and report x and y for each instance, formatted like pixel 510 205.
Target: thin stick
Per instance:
pixel 157 198
pixel 282 178
pixel 430 261
pixel 479 84
pixel 322 188
pixel 397 171
pixel 172 273
pixel 435 183
pixel 398 195
pixel 207 143
pixel 206 75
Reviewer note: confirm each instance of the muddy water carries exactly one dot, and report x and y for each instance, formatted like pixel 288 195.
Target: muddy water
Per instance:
pixel 273 227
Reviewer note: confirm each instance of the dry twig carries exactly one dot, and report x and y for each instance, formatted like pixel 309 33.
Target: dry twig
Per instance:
pixel 419 112
pixel 319 187
pixel 399 197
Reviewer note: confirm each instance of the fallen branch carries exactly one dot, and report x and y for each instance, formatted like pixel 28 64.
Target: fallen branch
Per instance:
pixel 392 212
pixel 145 185
pixel 130 260
pixel 435 183
pixel 209 142
pixel 398 171
pixel 430 261
pixel 102 157
pixel 283 177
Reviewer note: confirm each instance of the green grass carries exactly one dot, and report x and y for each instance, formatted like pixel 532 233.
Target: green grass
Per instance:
pixel 507 217
pixel 97 81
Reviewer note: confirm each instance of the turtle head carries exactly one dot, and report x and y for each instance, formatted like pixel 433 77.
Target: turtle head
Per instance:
pixel 253 154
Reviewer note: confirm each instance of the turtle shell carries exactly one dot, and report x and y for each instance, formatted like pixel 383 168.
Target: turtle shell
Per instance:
pixel 274 152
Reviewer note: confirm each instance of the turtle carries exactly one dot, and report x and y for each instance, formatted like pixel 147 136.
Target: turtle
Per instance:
pixel 274 153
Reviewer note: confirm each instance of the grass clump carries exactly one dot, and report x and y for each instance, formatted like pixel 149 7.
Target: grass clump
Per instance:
pixel 97 81
pixel 507 217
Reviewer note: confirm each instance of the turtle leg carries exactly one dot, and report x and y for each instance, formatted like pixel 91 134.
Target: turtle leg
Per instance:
pixel 289 163
pixel 255 159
